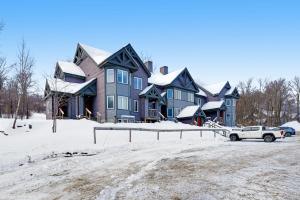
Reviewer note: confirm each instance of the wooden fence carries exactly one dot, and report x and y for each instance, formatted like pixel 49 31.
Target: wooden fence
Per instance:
pixel 224 132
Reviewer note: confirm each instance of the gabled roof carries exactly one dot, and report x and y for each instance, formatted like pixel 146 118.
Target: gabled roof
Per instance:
pixel 98 55
pixel 188 111
pixel 101 57
pixel 163 80
pixel 233 92
pixel 152 92
pixel 201 93
pixel 213 105
pixel 215 88
pixel 70 68
pixel 58 85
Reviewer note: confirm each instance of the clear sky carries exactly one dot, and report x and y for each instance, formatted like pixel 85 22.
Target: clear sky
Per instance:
pixel 217 40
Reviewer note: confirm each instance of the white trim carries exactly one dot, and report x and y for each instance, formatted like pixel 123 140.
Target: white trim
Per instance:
pixel 121 100
pixel 107 70
pixel 137 80
pixel 107 96
pixel 122 73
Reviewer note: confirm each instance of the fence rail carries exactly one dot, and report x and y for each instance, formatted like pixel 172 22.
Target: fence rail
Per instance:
pixel 158 131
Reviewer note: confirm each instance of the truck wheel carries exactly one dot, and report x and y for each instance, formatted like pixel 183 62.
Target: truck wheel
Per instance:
pixel 287 134
pixel 269 138
pixel 233 137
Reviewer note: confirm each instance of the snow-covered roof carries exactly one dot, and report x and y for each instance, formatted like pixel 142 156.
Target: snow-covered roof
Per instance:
pixel 212 105
pixel 230 91
pixel 214 88
pixel 98 55
pixel 188 111
pixel 146 89
pixel 66 87
pixel 163 80
pixel 70 68
pixel 201 93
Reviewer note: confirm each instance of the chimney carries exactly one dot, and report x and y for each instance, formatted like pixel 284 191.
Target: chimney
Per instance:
pixel 164 70
pixel 149 65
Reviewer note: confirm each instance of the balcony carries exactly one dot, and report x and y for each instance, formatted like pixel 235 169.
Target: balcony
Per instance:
pixel 153 114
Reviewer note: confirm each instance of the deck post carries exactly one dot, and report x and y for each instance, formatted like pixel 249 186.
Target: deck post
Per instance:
pixel 157 135
pixel 180 134
pixel 129 135
pixel 214 133
pixel 94 135
pixel 200 133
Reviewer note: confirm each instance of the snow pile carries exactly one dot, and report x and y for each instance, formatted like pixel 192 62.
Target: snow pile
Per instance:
pixel 70 68
pixel 212 105
pixel 293 124
pixel 162 80
pixel 96 54
pixel 77 136
pixel 188 111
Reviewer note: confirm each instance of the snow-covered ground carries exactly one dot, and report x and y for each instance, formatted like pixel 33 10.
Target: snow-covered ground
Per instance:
pixel 37 164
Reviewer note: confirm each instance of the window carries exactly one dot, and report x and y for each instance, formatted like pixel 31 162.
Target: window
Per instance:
pixel 228 102
pixel 169 93
pixel 170 112
pixel 122 76
pixel 199 102
pixel 138 83
pixel 110 75
pixel 228 117
pixel 176 111
pixel 122 102
pixel 233 102
pixel 190 97
pixel 177 94
pixel 110 102
pixel 135 106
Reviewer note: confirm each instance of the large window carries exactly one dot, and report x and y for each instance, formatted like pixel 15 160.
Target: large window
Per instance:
pixel 122 76
pixel 135 106
pixel 228 102
pixel 190 97
pixel 122 102
pixel 170 112
pixel 176 111
pixel 110 102
pixel 138 83
pixel 177 94
pixel 110 75
pixel 169 93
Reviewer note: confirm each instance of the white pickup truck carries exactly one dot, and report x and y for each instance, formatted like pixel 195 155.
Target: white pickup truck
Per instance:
pixel 256 132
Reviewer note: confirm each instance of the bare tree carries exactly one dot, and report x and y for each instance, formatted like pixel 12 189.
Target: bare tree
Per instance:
pixel 57 91
pixel 295 87
pixel 3 78
pixel 24 72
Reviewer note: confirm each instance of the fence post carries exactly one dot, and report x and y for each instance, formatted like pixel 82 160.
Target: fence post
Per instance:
pixel 180 134
pixel 129 135
pixel 157 135
pixel 200 133
pixel 94 135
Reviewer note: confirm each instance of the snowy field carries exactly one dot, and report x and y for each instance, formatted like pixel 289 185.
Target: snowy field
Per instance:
pixel 37 164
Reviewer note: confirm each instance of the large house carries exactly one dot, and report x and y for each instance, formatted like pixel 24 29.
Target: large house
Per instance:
pixel 121 87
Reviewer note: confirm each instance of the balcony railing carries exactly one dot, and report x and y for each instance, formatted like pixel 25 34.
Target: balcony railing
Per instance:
pixel 153 113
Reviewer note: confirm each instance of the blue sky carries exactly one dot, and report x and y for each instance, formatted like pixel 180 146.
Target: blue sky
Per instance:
pixel 216 40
